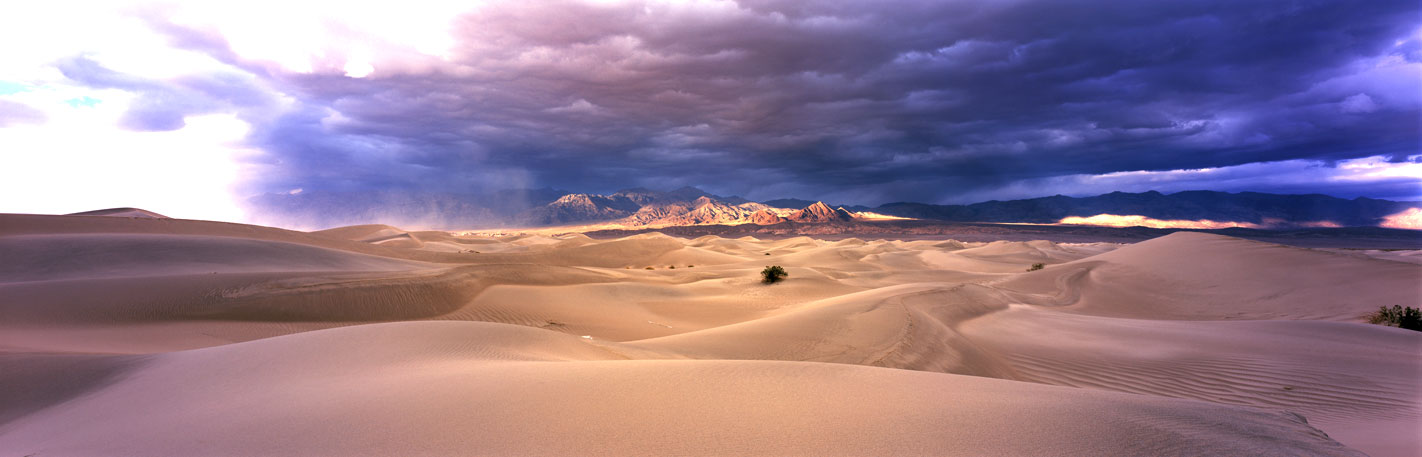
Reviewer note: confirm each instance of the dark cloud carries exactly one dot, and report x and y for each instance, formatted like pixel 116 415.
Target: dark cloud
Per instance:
pixel 866 101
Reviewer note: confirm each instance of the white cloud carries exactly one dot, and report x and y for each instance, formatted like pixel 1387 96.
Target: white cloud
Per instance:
pixel 80 160
pixel 579 106
pixel 358 68
pixel 1376 168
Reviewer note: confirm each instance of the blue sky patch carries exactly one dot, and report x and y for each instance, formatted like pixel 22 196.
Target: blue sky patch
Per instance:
pixel 85 101
pixel 7 87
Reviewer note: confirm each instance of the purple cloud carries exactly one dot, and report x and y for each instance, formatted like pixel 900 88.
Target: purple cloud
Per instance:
pixel 869 102
pixel 15 113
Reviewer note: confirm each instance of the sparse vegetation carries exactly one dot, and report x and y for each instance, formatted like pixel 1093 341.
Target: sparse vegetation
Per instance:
pixel 651 268
pixel 671 267
pixel 691 266
pixel 1037 266
pixel 1409 318
pixel 772 274
pixel 767 253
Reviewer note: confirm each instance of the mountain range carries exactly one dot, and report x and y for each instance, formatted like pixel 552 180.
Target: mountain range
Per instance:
pixel 641 207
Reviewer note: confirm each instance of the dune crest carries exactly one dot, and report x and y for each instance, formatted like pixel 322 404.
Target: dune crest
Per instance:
pixel 122 212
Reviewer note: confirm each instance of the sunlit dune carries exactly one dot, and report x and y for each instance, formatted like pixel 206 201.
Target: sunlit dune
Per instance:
pixel 1410 219
pixel 1112 220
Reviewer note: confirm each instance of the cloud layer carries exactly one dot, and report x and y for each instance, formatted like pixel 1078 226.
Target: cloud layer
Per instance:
pixel 860 102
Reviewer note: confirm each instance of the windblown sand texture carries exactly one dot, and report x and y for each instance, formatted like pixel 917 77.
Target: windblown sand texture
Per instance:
pixel 128 336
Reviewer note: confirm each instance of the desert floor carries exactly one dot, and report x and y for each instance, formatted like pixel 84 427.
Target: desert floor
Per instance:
pixel 131 336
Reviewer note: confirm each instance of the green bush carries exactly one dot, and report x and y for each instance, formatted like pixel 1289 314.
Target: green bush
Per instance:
pixel 772 273
pixel 1409 318
pixel 1037 266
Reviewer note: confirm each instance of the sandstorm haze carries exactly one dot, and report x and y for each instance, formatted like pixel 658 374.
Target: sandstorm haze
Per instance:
pixel 197 110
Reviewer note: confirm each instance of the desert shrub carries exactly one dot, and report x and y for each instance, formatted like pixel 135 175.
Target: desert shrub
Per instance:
pixel 691 266
pixel 772 273
pixel 671 267
pixel 1409 318
pixel 651 268
pixel 767 253
pixel 1037 266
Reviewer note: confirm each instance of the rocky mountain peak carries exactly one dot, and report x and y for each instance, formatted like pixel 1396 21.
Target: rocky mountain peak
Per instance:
pixel 703 201
pixel 820 212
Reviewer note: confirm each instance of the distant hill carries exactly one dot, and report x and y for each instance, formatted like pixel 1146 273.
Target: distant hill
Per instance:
pixel 798 203
pixel 574 208
pixel 640 207
pixel 820 212
pixel 1267 210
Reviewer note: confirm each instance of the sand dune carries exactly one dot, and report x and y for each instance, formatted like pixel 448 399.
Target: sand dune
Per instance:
pixel 1199 276
pixel 1356 381
pixel 123 336
pixel 459 388
pixel 51 257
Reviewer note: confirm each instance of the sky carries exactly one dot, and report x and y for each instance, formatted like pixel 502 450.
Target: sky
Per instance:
pixel 192 108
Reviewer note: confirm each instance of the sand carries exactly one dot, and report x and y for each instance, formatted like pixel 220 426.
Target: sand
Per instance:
pixel 150 336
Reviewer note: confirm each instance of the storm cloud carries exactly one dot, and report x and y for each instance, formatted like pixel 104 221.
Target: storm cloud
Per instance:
pixel 858 102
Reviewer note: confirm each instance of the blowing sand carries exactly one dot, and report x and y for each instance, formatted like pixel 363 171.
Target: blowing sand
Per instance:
pixel 148 336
